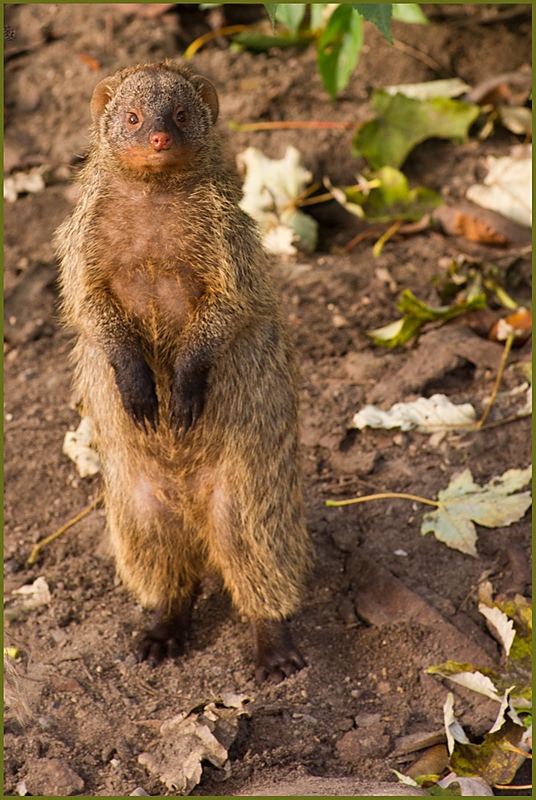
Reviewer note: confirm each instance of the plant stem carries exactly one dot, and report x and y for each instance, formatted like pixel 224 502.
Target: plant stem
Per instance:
pixel 49 539
pixel 291 125
pixel 207 37
pixel 376 250
pixel 364 235
pixel 383 496
pixel 507 348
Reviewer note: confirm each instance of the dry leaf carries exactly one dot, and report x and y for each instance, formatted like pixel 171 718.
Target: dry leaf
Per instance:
pixel 520 323
pixel 91 62
pixel 475 230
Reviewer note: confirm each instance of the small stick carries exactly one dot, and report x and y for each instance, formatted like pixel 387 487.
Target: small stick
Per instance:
pixel 507 348
pixel 412 51
pixel 364 235
pixel 291 125
pixel 228 30
pixel 376 250
pixel 383 496
pixel 310 201
pixel 49 539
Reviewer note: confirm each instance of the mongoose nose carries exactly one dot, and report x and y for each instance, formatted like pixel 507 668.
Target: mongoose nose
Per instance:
pixel 160 140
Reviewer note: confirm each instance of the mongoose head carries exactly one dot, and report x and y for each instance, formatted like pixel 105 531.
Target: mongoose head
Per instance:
pixel 155 118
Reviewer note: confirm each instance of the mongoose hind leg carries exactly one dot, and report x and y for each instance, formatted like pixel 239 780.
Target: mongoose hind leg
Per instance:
pixel 276 655
pixel 167 634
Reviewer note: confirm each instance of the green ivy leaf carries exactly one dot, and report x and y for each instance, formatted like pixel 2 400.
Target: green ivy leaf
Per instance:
pixel 379 14
pixel 339 47
pixel 290 15
pixel 491 760
pixel 271 9
pixel 464 502
pixel 399 332
pixel 317 20
pixel 409 12
pixel 402 122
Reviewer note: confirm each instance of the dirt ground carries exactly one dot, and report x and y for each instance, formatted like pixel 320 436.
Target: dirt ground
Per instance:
pixel 91 706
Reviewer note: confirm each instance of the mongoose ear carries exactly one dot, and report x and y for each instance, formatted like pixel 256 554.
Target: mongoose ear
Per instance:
pixel 207 92
pixel 102 94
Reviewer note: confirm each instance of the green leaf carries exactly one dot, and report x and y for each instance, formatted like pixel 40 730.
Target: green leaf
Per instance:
pixel 339 47
pixel 290 15
pixel 402 122
pixel 271 9
pixel 409 12
pixel 379 14
pixel 316 19
pixel 417 313
pixel 464 502
pixel 488 682
pixel 391 199
pixel 491 760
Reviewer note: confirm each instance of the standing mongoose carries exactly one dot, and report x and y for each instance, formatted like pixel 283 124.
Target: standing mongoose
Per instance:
pixel 184 366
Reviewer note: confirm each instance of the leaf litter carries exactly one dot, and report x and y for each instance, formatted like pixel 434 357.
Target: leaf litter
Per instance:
pixel 464 502
pixel 201 734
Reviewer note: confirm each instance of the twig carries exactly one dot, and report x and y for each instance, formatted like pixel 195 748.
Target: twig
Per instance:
pixel 501 422
pixel 291 125
pixel 376 250
pixel 430 62
pixel 228 30
pixel 310 201
pixel 383 496
pixel 49 539
pixel 507 348
pixel 364 235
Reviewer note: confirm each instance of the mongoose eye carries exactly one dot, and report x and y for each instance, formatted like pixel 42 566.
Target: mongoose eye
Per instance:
pixel 181 117
pixel 132 118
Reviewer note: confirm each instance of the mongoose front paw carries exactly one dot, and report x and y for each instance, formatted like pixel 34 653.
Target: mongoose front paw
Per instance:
pixel 138 393
pixel 187 399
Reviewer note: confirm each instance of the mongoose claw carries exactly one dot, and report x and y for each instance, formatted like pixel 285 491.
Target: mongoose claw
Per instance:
pixel 138 394
pixel 186 401
pixel 276 655
pixel 157 643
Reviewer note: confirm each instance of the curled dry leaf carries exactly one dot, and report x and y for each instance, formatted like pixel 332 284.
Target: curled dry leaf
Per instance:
pixel 519 323
pixel 190 738
pixel 271 189
pixel 77 445
pixel 475 230
pixel 35 594
pixel 507 187
pixel 426 415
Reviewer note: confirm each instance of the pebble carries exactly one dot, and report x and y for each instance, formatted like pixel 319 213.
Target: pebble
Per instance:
pixel 52 777
pixel 364 719
pixel 370 742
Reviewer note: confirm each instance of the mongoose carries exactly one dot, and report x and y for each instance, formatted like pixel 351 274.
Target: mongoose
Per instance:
pixel 184 365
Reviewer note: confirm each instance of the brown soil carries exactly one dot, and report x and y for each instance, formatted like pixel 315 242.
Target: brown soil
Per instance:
pixel 91 705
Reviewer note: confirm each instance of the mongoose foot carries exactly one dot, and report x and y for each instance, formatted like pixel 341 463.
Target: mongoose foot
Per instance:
pixel 187 398
pixel 165 638
pixel 276 655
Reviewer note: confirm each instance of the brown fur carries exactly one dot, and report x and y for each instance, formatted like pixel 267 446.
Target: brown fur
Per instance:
pixel 164 279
